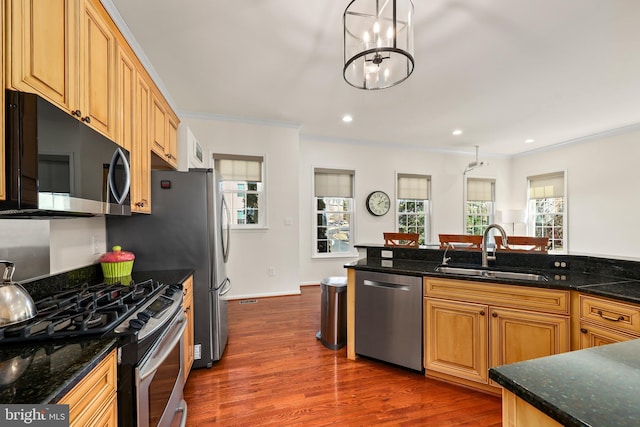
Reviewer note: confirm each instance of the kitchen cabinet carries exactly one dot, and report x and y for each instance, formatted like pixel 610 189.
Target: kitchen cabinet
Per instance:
pixel 97 70
pixel 518 413
pixel 141 152
pixel 93 401
pixel 64 50
pixel 164 133
pixel 42 49
pixel 126 79
pixel 187 304
pixel 603 321
pixel 471 327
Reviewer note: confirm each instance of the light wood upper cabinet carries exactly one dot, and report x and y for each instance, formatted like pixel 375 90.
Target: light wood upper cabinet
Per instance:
pixel 126 79
pixel 42 49
pixel 141 152
pixel 164 133
pixel 187 303
pixel 97 70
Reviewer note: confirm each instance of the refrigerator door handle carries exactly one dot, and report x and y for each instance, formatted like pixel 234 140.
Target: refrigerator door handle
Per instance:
pixel 225 229
pixel 226 287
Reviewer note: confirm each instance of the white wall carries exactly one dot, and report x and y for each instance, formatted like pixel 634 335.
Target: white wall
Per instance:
pixel 76 242
pixel 375 169
pixel 254 252
pixel 602 192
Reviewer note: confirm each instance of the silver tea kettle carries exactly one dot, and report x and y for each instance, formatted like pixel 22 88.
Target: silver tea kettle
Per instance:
pixel 16 304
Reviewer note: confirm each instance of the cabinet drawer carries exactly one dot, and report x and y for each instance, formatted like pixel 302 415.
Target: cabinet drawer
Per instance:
pixel 612 314
pixel 512 296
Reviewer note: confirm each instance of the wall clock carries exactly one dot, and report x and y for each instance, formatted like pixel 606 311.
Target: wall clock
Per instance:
pixel 378 203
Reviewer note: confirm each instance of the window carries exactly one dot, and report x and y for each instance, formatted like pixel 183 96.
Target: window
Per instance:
pixel 412 205
pixel 333 201
pixel 547 209
pixel 243 188
pixel 479 206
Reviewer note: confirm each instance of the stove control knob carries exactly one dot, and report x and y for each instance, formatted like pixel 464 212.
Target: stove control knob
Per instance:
pixel 144 317
pixel 136 324
pixel 169 292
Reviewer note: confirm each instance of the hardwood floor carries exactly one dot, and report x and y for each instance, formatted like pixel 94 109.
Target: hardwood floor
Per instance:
pixel 275 372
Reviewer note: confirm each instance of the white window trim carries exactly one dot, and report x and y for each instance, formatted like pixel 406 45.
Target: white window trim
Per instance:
pixel 427 232
pixel 263 223
pixel 492 217
pixel 333 255
pixel 565 228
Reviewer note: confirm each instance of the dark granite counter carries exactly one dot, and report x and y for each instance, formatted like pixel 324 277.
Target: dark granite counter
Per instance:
pixel 598 386
pixel 601 277
pixel 43 372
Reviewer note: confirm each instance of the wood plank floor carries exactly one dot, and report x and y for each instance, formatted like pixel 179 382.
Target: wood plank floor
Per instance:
pixel 275 372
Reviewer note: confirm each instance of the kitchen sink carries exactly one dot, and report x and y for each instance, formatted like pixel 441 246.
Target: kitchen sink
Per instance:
pixel 491 274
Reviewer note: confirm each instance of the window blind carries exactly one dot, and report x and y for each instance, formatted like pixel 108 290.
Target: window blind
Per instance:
pixel 480 190
pixel 413 186
pixel 239 168
pixel 546 186
pixel 333 183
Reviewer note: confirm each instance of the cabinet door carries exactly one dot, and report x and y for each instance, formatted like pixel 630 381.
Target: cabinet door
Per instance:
pixel 125 98
pixel 187 293
pixel 172 141
pixel 518 335
pixel 141 152
pixel 593 335
pixel 41 46
pixel 455 337
pixel 97 80
pixel 158 125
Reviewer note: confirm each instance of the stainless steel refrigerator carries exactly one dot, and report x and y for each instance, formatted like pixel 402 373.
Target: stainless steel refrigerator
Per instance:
pixel 188 228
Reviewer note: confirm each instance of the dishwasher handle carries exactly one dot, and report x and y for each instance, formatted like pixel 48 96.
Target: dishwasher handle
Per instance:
pixel 383 285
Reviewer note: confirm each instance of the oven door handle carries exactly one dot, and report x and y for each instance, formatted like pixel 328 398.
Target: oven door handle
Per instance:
pixel 162 352
pixel 182 408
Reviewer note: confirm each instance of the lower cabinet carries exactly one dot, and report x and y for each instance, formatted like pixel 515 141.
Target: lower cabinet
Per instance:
pixel 603 321
pixel 187 304
pixel 93 401
pixel 518 413
pixel 479 326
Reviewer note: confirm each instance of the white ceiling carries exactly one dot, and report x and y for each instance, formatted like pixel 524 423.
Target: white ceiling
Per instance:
pixel 501 70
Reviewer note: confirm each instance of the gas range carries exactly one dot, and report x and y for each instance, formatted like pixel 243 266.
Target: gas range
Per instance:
pixel 102 309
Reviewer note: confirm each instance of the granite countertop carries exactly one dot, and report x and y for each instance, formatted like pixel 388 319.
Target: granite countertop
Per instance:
pixel 598 386
pixel 623 289
pixel 49 369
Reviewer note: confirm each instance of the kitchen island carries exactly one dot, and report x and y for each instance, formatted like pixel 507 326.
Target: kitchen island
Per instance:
pixel 598 386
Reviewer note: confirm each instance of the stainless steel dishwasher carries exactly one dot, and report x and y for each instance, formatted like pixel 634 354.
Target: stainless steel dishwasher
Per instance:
pixel 388 318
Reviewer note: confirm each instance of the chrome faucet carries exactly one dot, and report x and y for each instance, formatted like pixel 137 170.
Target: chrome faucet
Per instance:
pixel 446 259
pixel 485 255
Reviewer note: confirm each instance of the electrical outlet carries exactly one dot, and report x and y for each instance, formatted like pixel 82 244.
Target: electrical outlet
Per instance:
pixel 271 271
pixel 561 264
pixel 95 245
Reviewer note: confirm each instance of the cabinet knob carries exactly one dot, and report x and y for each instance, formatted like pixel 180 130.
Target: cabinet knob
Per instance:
pixel 583 330
pixel 86 119
pixel 494 314
pixel 76 113
pixel 482 313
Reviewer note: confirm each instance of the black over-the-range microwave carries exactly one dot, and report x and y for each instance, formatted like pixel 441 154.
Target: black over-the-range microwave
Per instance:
pixel 56 165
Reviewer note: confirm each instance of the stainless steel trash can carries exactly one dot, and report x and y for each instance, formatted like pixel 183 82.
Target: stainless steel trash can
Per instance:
pixel 333 312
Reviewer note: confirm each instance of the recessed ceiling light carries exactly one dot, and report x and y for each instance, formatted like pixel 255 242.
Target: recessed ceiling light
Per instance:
pixel 529 141
pixel 457 132
pixel 347 118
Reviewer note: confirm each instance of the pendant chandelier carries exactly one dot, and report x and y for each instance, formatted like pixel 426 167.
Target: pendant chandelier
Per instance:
pixel 378 43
